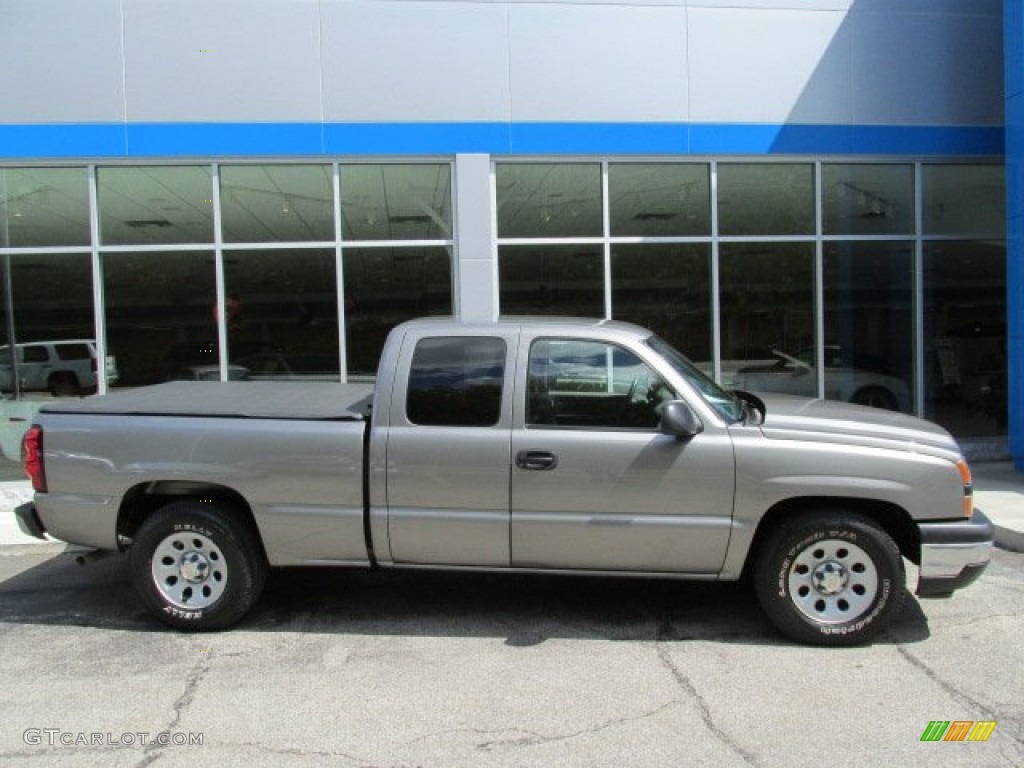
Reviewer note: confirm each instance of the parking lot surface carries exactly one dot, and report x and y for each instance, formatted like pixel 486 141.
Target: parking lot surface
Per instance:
pixel 427 669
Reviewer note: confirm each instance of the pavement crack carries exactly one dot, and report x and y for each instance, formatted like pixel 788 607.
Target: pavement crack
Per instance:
pixel 702 705
pixel 531 738
pixel 296 752
pixel 955 693
pixel 155 748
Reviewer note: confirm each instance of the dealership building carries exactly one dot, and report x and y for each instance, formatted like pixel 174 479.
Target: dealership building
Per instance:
pixel 820 197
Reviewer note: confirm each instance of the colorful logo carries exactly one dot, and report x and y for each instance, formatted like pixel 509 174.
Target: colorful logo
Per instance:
pixel 958 730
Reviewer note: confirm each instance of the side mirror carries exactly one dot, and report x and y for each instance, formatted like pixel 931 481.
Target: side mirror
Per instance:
pixel 679 420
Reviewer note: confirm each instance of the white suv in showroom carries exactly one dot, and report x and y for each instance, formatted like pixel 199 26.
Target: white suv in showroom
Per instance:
pixel 66 367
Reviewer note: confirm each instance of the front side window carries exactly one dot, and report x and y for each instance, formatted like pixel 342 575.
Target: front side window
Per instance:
pixel 456 382
pixel 591 384
pixel 35 355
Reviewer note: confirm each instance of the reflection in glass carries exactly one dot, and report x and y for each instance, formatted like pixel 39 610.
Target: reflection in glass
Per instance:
pixel 666 288
pixel 766 199
pixel 158 205
pixel 456 382
pixel 551 280
pixel 964 200
pixel 52 296
pixel 277 203
pixel 385 287
pixel 43 207
pixel 580 383
pixel 863 199
pixel 160 314
pixel 396 202
pixel 659 199
pixel 869 323
pixel 965 336
pixel 767 303
pixel 53 302
pixel 549 200
pixel 282 314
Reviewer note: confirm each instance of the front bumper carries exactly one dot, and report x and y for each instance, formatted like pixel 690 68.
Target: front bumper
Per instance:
pixel 28 520
pixel 953 554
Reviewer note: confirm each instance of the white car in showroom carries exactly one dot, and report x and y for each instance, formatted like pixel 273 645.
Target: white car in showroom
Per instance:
pixel 795 375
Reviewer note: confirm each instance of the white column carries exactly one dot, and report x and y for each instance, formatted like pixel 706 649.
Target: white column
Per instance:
pixel 475 258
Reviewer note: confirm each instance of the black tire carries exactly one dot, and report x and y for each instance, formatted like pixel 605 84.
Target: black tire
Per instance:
pixel 876 397
pixel 830 578
pixel 64 384
pixel 197 565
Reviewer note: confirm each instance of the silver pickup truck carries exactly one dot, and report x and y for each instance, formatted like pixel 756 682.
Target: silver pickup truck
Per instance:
pixel 523 445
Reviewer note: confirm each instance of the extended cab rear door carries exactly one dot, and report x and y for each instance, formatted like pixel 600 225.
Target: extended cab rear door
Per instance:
pixel 448 449
pixel 595 484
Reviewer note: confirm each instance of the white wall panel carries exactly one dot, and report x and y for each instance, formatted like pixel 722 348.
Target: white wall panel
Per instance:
pixel 415 61
pixel 598 62
pixel 232 60
pixel 769 66
pixel 60 61
pixel 911 69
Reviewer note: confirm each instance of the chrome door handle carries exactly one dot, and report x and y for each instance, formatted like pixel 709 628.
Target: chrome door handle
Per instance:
pixel 536 460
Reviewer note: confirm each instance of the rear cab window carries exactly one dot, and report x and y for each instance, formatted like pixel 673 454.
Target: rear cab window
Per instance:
pixel 456 381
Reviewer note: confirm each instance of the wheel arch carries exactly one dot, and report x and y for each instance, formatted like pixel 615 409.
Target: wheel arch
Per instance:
pixel 63 375
pixel 891 518
pixel 142 500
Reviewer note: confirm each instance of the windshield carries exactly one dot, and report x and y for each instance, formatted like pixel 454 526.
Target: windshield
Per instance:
pixel 727 404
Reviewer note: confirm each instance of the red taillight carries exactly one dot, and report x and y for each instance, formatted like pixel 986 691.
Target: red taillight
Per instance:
pixel 32 447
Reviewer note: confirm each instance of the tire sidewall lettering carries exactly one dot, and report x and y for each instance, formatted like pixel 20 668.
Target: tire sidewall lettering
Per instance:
pixel 177 613
pixel 842 534
pixel 181 527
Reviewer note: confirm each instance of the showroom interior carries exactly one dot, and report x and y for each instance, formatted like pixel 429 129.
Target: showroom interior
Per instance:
pixel 261 191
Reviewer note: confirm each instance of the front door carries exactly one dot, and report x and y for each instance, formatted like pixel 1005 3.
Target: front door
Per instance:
pixel 596 486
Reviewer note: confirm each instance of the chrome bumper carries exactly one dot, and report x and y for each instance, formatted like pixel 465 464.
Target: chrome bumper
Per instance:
pixel 953 554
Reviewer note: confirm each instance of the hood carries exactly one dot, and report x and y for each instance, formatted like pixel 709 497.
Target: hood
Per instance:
pixel 798 418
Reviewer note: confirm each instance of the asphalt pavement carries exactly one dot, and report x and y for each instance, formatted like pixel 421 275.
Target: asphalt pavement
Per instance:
pixel 402 669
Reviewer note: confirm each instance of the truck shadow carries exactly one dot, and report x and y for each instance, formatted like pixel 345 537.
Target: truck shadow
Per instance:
pixel 522 609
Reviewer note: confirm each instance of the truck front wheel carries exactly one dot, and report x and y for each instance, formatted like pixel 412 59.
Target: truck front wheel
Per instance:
pixel 830 579
pixel 197 565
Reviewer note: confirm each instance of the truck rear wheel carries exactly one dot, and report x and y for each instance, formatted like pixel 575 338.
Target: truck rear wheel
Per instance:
pixel 197 566
pixel 830 579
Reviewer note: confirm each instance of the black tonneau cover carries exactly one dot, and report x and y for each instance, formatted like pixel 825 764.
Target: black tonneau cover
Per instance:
pixel 302 400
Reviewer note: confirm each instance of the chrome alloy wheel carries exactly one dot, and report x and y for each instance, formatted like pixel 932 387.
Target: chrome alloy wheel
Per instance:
pixel 189 570
pixel 833 581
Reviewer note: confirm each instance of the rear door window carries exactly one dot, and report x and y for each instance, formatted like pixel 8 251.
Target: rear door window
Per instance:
pixel 73 351
pixel 456 382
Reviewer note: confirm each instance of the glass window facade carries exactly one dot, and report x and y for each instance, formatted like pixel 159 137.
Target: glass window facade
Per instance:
pixel 876 282
pixel 156 205
pixel 767 317
pixel 766 199
pixel 277 203
pixel 214 271
pixel 44 207
pixel 817 278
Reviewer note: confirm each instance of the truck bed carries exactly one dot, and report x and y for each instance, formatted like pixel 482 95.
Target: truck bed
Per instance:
pixel 293 450
pixel 307 401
